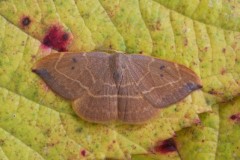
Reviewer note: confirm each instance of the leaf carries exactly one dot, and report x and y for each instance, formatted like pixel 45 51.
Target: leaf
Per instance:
pixel 216 138
pixel 36 124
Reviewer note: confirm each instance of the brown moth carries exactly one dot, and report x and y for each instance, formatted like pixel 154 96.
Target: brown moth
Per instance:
pixel 106 87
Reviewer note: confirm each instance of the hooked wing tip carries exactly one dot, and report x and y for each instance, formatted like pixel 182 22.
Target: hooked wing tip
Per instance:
pixel 43 73
pixel 34 70
pixel 193 86
pixel 198 84
pixel 37 71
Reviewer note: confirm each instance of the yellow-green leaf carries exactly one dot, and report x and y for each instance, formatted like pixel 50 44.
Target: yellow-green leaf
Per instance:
pixel 37 124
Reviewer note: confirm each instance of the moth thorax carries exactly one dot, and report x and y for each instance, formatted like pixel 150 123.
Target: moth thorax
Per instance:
pixel 116 62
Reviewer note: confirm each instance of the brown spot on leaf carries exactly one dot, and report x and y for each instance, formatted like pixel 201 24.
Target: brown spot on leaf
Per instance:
pixel 205 49
pixel 33 57
pixel 224 50
pixel 185 42
pixel 79 130
pixel 223 71
pixel 2 142
pixel 166 146
pixel 158 25
pixel 25 21
pixel 57 38
pixel 214 92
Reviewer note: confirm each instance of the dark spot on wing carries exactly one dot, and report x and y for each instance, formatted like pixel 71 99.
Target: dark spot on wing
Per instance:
pixel 166 146
pixel 161 75
pixel 116 76
pixel 74 59
pixel 123 66
pixel 72 67
pixel 162 67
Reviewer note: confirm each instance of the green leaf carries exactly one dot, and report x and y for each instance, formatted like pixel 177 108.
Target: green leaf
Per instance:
pixel 37 124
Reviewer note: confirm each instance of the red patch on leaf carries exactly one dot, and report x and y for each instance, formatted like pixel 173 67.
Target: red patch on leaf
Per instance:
pixel 57 38
pixel 83 153
pixel 235 117
pixel 166 146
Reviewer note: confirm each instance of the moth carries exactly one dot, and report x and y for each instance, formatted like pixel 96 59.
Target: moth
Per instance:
pixel 107 87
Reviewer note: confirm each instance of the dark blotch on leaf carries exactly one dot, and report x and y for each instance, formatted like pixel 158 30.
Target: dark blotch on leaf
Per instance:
pixel 214 92
pixel 235 117
pixel 57 38
pixel 65 37
pixel 224 50
pixel 26 21
pixel 166 146
pixel 79 130
pixel 83 153
pixel 2 142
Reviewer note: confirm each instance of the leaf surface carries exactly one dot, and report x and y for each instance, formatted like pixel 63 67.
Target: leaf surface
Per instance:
pixel 37 124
